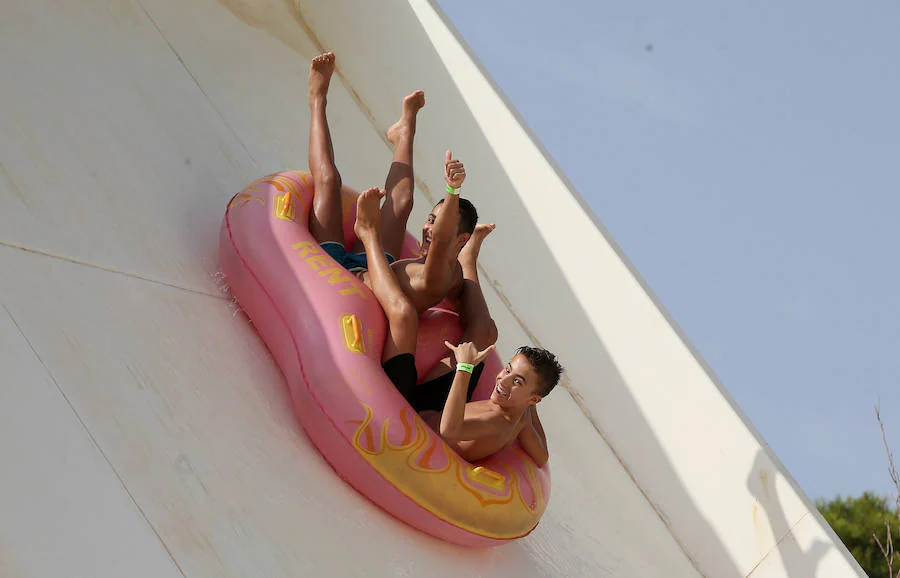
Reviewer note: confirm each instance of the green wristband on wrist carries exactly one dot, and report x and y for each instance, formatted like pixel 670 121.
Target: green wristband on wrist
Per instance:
pixel 467 367
pixel 452 191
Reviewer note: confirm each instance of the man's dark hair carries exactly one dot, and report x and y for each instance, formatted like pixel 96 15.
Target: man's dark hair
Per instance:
pixel 545 365
pixel 468 216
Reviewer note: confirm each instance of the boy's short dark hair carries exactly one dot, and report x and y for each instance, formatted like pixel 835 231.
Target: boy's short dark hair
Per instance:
pixel 545 365
pixel 468 216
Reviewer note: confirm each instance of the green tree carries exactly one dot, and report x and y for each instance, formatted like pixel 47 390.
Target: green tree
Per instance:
pixel 855 521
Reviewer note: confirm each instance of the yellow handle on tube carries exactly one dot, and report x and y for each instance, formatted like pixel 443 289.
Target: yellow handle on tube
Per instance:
pixel 352 332
pixel 489 477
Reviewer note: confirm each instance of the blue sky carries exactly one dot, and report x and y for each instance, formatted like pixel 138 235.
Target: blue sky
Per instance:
pixel 745 155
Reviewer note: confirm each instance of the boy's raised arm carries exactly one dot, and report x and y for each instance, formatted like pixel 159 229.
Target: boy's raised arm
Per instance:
pixel 453 425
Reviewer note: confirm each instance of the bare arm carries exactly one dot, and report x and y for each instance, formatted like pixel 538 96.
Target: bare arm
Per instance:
pixel 454 412
pixel 445 227
pixel 532 438
pixel 454 427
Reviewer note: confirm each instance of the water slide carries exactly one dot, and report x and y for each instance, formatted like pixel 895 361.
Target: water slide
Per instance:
pixel 145 430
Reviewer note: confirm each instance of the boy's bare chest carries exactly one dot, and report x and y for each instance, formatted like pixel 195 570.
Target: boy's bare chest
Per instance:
pixel 500 432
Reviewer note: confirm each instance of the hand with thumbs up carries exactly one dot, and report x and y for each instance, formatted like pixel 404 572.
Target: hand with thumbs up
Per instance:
pixel 454 171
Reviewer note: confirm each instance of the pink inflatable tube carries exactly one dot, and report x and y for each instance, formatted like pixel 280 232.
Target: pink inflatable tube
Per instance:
pixel 326 331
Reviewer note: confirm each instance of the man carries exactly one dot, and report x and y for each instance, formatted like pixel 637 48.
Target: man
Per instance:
pixel 476 429
pixel 426 280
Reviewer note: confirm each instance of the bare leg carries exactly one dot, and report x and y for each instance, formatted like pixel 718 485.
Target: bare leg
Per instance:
pixel 403 321
pixel 474 314
pixel 478 327
pixel 400 182
pixel 325 220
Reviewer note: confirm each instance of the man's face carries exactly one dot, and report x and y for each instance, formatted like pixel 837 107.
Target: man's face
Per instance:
pixel 428 226
pixel 516 383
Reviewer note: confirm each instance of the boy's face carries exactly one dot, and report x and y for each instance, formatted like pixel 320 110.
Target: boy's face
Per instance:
pixel 516 384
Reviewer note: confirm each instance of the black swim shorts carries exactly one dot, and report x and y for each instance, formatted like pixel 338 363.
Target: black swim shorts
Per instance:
pixel 401 369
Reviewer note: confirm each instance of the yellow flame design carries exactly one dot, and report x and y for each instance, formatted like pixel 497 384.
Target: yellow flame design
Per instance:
pixel 456 491
pixel 242 199
pixel 288 183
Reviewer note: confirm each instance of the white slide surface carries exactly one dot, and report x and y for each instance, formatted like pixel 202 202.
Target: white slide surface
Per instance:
pixel 144 429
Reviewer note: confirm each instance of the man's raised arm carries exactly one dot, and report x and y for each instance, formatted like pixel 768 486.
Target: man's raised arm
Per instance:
pixel 445 226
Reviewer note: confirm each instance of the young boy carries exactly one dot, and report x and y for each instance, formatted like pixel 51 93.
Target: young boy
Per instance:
pixel 473 429
pixel 426 280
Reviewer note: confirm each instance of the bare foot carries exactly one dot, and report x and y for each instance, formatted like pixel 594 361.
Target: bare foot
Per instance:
pixel 320 71
pixel 368 213
pixel 472 247
pixel 406 126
